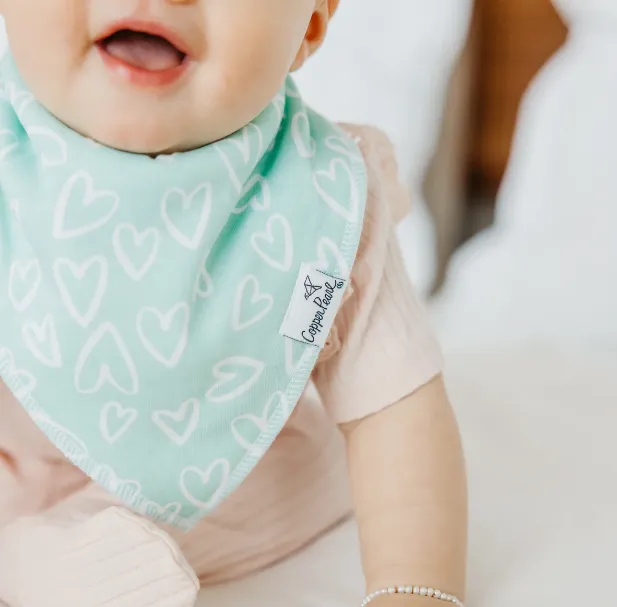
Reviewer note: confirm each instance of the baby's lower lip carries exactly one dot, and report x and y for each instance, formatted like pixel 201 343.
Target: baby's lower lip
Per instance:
pixel 141 77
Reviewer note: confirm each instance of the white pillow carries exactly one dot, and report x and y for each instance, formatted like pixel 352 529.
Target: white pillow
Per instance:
pixel 548 270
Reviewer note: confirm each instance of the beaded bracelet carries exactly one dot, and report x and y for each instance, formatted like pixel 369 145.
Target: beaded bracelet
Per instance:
pixel 417 590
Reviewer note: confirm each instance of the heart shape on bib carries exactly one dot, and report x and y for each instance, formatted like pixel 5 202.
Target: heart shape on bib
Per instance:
pixel 250 305
pixel 245 143
pixel 259 201
pixel 83 207
pixel 235 376
pixel 105 348
pixel 179 425
pixel 339 145
pixel 42 342
pixel 136 251
pixel 24 282
pixel 51 147
pixel 204 488
pixel 275 245
pixel 204 285
pixel 339 172
pixel 171 327
pixel 186 215
pixel 18 98
pixel 301 133
pixel 86 282
pixel 115 421
pixel 247 428
pixel 250 148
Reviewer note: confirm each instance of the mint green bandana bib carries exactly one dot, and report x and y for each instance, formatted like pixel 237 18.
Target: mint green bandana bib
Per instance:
pixel 160 317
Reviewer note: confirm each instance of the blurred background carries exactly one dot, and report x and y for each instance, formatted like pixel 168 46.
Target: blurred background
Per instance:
pixel 504 115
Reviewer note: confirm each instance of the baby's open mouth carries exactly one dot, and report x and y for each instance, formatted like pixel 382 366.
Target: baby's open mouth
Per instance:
pixel 142 50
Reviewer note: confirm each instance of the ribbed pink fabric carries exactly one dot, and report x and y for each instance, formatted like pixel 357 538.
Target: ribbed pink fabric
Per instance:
pixel 380 350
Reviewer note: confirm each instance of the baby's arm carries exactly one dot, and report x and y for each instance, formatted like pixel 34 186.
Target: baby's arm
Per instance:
pixel 409 490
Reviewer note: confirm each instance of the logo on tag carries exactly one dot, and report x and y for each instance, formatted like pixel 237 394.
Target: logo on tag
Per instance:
pixel 315 301
pixel 310 288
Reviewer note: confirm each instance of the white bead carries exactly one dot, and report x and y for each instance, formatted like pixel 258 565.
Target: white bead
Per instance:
pixel 418 590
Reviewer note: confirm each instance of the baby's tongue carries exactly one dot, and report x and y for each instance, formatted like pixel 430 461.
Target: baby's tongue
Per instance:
pixel 143 51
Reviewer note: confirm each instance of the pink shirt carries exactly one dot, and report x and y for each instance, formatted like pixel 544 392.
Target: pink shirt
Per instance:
pixel 380 350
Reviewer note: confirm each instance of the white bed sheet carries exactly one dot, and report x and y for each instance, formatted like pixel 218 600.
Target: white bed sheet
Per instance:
pixel 539 436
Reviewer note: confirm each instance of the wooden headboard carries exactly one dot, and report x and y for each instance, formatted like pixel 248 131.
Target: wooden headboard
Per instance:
pixel 509 41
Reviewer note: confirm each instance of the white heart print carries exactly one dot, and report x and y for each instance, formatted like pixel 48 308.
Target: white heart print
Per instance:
pixel 321 178
pixel 54 151
pixel 339 145
pixel 94 353
pixel 205 478
pixel 301 132
pixel 250 305
pixel 128 242
pixel 9 142
pixel 184 421
pixel 258 424
pixel 278 104
pixel 42 342
pixel 105 204
pixel 178 212
pixel 115 421
pixel 227 372
pixel 96 266
pixel 204 286
pixel 18 98
pixel 275 245
pixel 24 282
pixel 242 142
pixel 258 183
pixel 165 322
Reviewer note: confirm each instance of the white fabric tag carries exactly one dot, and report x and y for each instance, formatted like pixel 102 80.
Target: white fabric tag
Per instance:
pixel 315 301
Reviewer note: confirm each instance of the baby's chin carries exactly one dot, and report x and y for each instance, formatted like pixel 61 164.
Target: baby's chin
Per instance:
pixel 143 137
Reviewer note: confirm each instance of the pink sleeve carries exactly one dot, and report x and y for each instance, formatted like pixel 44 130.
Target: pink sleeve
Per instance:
pixel 382 347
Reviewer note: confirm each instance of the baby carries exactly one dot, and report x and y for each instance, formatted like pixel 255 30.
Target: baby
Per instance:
pixel 203 307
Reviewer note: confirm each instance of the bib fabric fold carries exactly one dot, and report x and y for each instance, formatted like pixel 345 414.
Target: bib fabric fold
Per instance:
pixel 143 298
